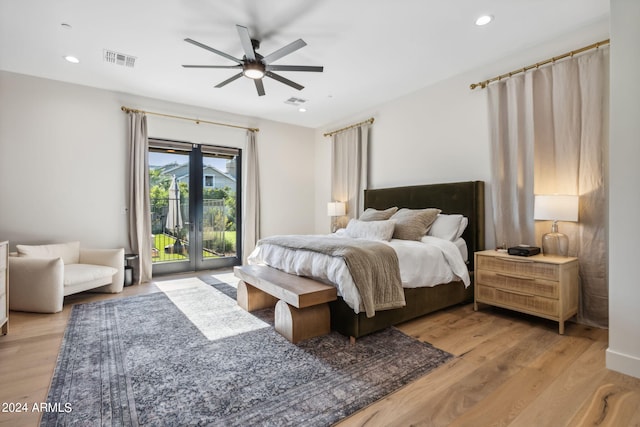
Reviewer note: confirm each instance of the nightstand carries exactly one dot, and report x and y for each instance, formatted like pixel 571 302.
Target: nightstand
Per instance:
pixel 543 286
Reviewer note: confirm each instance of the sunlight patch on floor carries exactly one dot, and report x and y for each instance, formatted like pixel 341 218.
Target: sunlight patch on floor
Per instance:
pixel 212 312
pixel 228 278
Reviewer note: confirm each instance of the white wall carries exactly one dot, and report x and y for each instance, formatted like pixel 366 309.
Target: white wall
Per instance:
pixel 440 133
pixel 623 354
pixel 63 161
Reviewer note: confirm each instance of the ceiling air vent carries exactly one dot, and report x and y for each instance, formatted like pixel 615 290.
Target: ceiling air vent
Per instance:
pixel 295 101
pixel 119 58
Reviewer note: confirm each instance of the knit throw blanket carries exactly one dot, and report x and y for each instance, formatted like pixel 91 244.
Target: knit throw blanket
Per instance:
pixel 373 266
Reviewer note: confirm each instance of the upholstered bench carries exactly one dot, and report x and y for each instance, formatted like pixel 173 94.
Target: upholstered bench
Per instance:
pixel 301 304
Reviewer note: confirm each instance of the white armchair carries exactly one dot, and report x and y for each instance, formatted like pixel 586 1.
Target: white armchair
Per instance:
pixel 41 276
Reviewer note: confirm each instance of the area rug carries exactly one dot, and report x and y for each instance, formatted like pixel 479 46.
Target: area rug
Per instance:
pixel 190 356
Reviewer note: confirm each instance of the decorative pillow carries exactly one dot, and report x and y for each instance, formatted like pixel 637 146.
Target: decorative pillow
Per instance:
pixel 412 224
pixel 372 230
pixel 372 214
pixel 69 252
pixel 448 227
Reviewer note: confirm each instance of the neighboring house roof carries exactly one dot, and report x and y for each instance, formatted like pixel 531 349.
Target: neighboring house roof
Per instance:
pixel 181 171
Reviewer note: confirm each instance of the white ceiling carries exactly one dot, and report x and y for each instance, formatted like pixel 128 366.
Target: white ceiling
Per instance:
pixel 372 50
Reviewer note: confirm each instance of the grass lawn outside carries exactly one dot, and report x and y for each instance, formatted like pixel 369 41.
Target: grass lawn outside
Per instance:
pixel 160 241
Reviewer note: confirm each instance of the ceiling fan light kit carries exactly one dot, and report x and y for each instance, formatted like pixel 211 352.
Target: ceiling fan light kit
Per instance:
pixel 255 66
pixel 254 70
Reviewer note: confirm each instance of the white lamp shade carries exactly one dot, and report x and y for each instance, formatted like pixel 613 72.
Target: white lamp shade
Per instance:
pixel 556 207
pixel 336 208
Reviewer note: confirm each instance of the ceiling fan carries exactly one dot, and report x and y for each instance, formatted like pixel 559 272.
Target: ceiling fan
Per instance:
pixel 255 66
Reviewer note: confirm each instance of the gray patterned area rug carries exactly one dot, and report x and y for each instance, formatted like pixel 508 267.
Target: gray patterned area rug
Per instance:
pixel 190 356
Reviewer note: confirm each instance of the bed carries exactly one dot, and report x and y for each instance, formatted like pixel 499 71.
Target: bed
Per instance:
pixel 465 198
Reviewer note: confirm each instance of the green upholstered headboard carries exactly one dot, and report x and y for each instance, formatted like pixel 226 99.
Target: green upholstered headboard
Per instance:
pixel 466 198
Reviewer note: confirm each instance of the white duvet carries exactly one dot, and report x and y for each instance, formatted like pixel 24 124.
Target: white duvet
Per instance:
pixel 428 263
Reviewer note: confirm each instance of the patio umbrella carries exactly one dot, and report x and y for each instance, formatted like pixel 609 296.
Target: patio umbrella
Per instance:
pixel 174 216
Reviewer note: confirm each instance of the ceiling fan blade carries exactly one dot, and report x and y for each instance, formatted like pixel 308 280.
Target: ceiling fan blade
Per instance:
pixel 259 87
pixel 229 80
pixel 295 68
pixel 210 49
pixel 213 66
pixel 245 40
pixel 283 51
pixel 284 80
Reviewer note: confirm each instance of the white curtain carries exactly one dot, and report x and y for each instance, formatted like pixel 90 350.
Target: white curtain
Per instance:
pixel 139 208
pixel 559 114
pixel 511 135
pixel 251 199
pixel 349 174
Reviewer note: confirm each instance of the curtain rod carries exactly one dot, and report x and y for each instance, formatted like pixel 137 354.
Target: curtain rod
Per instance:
pixel 198 121
pixel 370 121
pixel 486 83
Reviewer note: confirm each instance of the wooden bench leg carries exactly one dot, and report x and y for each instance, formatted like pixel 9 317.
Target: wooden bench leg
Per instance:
pixel 251 298
pixel 297 324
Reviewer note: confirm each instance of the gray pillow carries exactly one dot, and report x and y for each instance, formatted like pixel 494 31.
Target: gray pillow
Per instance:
pixel 413 224
pixel 375 215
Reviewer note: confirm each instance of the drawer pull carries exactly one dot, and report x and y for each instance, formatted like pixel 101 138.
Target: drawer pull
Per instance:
pixel 521 261
pixel 515 277
pixel 516 293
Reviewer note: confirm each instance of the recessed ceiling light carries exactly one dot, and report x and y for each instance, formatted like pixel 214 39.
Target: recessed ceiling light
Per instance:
pixel 484 20
pixel 71 59
pixel 302 110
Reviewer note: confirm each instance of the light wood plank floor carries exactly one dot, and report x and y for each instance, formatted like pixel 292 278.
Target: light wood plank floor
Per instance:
pixel 509 370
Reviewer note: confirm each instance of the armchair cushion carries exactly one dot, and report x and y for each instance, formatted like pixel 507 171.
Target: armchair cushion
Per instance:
pixel 83 273
pixel 69 252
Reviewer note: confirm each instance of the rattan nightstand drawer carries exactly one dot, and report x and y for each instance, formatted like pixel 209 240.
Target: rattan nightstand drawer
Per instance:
pixel 530 285
pixel 519 267
pixel 522 301
pixel 545 286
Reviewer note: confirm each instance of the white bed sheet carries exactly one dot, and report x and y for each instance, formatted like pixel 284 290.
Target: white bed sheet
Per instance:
pixel 428 263
pixel 462 247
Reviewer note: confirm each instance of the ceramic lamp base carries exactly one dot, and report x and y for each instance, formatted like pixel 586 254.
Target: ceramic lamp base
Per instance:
pixel 555 243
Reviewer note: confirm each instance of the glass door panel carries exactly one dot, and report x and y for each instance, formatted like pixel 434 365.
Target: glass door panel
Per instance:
pixel 170 212
pixel 219 209
pixel 195 204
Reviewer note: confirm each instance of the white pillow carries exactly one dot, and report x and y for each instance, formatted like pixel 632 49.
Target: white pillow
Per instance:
pixel 372 230
pixel 448 227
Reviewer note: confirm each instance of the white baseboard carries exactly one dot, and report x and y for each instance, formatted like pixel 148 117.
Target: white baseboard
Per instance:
pixel 623 363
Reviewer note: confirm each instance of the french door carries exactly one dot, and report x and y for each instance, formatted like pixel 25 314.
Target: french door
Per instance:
pixel 195 194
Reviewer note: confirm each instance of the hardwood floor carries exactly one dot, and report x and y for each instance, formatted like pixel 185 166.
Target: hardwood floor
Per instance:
pixel 509 370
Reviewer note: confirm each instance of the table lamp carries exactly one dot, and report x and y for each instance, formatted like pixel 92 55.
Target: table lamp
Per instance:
pixel 335 209
pixel 555 208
